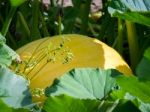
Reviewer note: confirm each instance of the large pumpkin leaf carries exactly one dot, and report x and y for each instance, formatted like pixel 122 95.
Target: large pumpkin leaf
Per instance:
pixel 14 89
pixel 7 55
pixel 134 90
pixel 2 39
pixel 121 94
pixel 6 108
pixel 135 87
pixel 133 10
pixel 65 103
pixel 84 83
pixel 132 5
pixel 144 107
pixel 119 105
pixel 5 58
pixel 143 69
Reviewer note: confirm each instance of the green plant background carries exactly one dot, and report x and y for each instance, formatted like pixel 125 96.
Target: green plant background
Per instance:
pixel 123 25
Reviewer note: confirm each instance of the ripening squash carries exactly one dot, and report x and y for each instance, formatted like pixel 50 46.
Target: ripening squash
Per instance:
pixel 48 58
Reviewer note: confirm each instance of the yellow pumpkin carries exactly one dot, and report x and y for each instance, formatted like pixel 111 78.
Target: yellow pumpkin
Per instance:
pixel 44 59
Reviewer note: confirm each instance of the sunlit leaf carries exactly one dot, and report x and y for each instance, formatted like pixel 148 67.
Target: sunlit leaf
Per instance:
pixel 7 55
pixel 144 107
pixel 65 103
pixel 17 3
pixel 132 10
pixel 84 83
pixel 135 87
pixel 14 89
pixel 5 59
pixel 120 94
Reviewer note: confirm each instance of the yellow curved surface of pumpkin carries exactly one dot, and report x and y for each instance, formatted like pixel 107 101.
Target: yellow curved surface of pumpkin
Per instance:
pixel 87 52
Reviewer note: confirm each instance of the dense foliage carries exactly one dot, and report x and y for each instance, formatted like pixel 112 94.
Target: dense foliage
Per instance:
pixel 122 24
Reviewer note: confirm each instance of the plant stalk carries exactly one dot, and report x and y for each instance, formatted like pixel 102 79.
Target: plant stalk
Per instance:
pixel 85 10
pixel 120 37
pixel 59 25
pixel 133 44
pixel 35 33
pixel 24 23
pixel 8 21
pixel 44 27
pixel 12 41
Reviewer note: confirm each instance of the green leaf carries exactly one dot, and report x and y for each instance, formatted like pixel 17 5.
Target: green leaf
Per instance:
pixel 143 68
pixel 84 83
pixel 7 55
pixel 119 105
pixel 134 5
pixel 2 39
pixel 144 107
pixel 135 87
pixel 121 94
pixel 14 89
pixel 65 103
pixel 147 54
pixel 5 108
pixel 135 11
pixel 16 3
pixel 5 59
pixel 125 106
